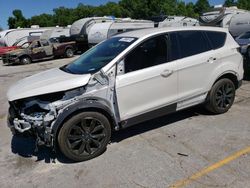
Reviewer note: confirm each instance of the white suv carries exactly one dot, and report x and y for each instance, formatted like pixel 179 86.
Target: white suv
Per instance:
pixel 127 79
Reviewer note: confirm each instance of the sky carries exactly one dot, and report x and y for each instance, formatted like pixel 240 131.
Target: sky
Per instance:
pixel 35 7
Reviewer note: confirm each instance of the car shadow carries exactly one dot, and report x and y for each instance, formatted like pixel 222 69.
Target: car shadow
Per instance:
pixel 25 146
pixel 158 123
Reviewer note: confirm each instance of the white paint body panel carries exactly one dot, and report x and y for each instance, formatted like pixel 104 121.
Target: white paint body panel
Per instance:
pixel 146 90
pixel 50 81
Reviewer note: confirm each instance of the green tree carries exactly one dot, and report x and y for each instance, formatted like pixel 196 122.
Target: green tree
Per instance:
pixel 169 7
pixel 190 11
pixel 63 16
pixel 109 9
pixel 18 20
pixel 202 6
pixel 136 8
pixel 181 9
pixel 229 3
pixel 83 11
pixel 244 4
pixel 43 20
pixel 1 29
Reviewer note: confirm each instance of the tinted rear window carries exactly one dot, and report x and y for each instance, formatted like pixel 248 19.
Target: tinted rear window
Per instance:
pixel 192 43
pixel 217 38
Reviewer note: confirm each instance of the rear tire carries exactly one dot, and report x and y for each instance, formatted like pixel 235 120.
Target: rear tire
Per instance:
pixel 25 60
pixel 84 136
pixel 221 97
pixel 69 52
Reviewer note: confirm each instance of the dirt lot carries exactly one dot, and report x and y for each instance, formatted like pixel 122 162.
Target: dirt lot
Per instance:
pixel 186 149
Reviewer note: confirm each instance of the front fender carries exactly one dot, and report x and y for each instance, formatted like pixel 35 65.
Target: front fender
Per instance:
pixel 80 106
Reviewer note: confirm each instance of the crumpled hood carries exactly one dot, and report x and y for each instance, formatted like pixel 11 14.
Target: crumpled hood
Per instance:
pixel 16 52
pixel 50 81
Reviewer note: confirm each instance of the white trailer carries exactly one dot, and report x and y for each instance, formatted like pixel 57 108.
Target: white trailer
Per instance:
pixel 178 21
pixel 236 20
pixel 56 33
pixel 80 28
pixel 9 37
pixel 102 31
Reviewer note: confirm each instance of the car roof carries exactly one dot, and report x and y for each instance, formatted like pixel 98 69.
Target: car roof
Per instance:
pixel 153 31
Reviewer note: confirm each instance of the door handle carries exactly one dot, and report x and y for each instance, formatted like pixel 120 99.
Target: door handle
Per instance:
pixel 211 59
pixel 166 73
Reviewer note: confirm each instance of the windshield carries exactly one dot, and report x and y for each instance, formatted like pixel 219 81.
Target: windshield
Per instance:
pixel 99 56
pixel 245 36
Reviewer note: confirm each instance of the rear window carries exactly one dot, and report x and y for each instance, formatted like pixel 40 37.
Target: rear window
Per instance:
pixel 192 43
pixel 217 38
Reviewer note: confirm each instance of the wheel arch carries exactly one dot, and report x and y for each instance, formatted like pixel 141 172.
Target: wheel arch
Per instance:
pixel 24 55
pixel 68 47
pixel 231 76
pixel 93 106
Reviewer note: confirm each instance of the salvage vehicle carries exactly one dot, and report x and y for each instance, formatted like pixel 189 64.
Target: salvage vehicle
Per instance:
pixel 39 50
pixel 127 79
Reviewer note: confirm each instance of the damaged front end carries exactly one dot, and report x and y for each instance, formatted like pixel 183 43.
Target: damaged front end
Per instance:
pixel 41 115
pixel 35 115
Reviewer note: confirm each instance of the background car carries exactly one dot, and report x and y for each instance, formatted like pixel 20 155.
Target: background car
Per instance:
pixel 244 41
pixel 41 49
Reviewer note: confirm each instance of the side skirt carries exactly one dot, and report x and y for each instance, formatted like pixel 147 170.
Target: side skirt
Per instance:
pixel 149 115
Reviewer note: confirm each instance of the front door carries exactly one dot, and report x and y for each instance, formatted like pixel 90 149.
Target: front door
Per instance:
pixel 37 51
pixel 148 82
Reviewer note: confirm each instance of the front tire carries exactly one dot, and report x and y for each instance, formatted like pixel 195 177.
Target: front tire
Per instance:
pixel 221 96
pixel 25 60
pixel 84 136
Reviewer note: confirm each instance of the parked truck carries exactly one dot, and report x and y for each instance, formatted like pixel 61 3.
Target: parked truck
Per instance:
pixel 41 49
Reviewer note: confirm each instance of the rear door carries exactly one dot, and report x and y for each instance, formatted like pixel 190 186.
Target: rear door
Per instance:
pixel 148 86
pixel 197 61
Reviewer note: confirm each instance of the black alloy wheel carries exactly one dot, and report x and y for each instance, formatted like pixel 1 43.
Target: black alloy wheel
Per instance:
pixel 224 96
pixel 221 97
pixel 84 136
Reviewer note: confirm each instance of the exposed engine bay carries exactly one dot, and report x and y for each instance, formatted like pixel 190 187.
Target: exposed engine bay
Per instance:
pixel 37 115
